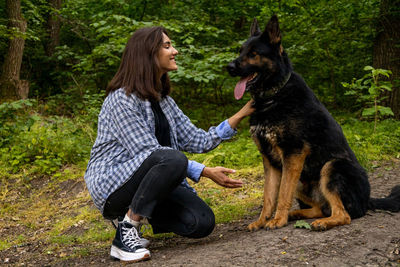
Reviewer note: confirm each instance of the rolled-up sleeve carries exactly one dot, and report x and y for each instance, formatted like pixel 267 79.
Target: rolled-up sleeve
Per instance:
pixel 194 170
pixel 225 131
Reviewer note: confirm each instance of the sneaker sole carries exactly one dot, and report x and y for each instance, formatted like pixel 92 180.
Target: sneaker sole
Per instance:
pixel 129 256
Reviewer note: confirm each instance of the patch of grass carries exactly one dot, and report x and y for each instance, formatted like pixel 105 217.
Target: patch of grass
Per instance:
pixel 12 241
pixel 4 244
pixel 81 252
pixel 98 232
pixel 63 239
pixel 233 204
pixel 371 147
pixel 238 153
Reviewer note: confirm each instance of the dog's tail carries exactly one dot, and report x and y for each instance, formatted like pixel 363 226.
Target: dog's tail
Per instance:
pixel 390 203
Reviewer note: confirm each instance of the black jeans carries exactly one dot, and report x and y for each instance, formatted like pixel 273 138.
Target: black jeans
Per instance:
pixel 154 192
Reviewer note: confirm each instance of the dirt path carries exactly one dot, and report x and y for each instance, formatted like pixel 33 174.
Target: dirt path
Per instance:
pixel 373 240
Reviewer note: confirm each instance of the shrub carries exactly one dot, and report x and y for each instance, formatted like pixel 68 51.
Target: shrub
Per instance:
pixel 45 143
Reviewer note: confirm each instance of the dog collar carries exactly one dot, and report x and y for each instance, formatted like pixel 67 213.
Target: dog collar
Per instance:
pixel 275 89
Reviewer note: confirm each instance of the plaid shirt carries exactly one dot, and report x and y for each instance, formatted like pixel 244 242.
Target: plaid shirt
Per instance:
pixel 126 137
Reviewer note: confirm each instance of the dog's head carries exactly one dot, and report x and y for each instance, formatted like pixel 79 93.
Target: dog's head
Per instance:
pixel 261 56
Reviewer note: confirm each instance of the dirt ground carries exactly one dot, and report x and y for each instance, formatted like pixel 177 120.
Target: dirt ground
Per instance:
pixel 373 240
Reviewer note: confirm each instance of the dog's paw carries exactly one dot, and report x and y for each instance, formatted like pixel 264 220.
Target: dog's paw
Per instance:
pixel 330 222
pixel 319 225
pixel 276 223
pixel 256 225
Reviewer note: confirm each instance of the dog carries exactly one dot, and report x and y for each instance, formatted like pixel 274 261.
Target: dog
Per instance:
pixel 305 153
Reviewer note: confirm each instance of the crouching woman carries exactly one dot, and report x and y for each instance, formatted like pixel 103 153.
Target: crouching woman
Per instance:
pixel 136 169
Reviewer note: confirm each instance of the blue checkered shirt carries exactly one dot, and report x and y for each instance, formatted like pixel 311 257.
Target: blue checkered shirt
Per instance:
pixel 126 137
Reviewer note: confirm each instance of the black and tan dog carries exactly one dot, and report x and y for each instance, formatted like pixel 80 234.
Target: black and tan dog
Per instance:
pixel 305 153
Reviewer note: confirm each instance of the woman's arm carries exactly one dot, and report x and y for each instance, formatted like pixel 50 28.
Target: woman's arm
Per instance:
pixel 245 111
pixel 196 140
pixel 219 174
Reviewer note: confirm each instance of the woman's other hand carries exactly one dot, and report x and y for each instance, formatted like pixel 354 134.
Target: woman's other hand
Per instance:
pixel 220 177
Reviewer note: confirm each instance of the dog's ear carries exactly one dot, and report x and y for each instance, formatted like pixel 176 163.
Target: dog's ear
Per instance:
pixel 255 29
pixel 272 32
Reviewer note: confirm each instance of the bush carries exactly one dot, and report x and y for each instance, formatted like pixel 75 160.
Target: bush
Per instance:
pixel 15 117
pixel 45 143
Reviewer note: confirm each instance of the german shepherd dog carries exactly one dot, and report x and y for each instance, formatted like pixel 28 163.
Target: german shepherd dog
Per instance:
pixel 305 154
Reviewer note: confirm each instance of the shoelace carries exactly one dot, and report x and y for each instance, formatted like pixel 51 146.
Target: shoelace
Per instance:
pixel 130 237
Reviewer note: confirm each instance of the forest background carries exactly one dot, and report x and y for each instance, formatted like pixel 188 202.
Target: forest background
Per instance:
pixel 57 57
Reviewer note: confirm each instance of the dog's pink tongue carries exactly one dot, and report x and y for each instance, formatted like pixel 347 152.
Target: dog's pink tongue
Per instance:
pixel 240 88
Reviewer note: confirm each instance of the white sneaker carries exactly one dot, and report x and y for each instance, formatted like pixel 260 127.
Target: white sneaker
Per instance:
pixel 126 245
pixel 143 223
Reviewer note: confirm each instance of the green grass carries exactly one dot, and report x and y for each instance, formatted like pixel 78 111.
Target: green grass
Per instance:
pixel 238 153
pixel 371 147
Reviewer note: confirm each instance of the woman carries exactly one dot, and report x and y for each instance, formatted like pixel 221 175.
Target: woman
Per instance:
pixel 136 170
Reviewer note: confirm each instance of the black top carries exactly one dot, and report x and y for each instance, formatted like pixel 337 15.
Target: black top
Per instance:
pixel 162 125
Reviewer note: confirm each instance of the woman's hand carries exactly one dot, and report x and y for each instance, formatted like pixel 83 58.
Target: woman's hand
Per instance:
pixel 245 111
pixel 219 176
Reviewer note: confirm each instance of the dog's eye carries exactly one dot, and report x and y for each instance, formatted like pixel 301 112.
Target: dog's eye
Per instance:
pixel 252 54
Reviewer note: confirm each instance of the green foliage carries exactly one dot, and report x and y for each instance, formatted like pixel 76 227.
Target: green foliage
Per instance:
pixel 45 144
pixel 240 152
pixel 370 146
pixel 302 224
pixel 369 92
pixel 327 41
pixel 14 119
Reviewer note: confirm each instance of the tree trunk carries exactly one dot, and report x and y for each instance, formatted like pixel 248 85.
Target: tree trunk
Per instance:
pixel 387 50
pixel 11 87
pixel 53 27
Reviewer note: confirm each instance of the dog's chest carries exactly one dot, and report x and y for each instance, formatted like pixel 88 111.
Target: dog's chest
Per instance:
pixel 267 140
pixel 266 133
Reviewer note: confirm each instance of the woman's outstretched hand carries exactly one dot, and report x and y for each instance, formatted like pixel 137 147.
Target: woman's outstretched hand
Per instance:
pixel 245 111
pixel 220 177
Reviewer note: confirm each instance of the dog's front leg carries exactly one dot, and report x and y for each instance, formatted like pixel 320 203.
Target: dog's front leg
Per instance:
pixel 291 171
pixel 272 178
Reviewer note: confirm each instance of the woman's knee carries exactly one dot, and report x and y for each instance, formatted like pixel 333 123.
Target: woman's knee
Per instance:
pixel 204 225
pixel 174 159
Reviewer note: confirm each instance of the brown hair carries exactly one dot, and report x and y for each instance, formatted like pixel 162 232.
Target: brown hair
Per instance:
pixel 139 70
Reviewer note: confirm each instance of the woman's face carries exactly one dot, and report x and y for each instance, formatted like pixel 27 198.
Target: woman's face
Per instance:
pixel 166 55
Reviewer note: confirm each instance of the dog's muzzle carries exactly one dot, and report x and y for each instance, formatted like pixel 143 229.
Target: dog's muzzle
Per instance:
pixel 232 68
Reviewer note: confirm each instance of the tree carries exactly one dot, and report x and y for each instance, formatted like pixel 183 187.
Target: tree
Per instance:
pixel 387 49
pixel 53 24
pixel 11 87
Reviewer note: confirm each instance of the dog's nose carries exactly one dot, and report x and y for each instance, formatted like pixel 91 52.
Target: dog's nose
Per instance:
pixel 231 68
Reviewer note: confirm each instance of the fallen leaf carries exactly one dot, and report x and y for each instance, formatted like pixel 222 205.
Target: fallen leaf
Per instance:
pixel 302 224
